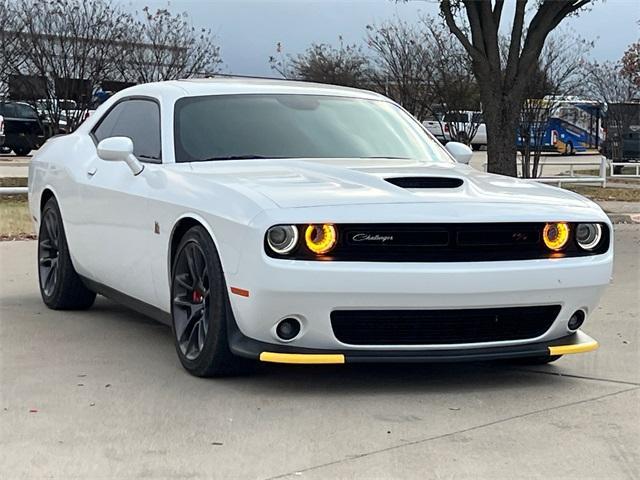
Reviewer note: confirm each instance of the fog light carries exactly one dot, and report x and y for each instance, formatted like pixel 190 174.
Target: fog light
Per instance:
pixel 321 238
pixel 288 329
pixel 576 320
pixel 556 235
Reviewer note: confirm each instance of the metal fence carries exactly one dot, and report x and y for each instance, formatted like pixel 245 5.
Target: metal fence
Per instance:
pixel 13 190
pixel 621 165
pixel 573 175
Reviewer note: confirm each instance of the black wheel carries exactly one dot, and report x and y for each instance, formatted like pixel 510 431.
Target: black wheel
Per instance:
pixel 60 286
pixel 200 308
pixel 21 151
pixel 535 360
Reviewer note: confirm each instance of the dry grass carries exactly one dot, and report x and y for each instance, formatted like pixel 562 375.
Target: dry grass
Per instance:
pixel 13 182
pixel 608 193
pixel 625 170
pixel 15 221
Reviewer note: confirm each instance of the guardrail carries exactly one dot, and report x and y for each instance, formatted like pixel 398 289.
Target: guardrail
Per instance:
pixel 572 176
pixel 12 190
pixel 634 165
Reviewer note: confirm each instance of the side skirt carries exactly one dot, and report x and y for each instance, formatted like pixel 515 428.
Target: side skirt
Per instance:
pixel 133 303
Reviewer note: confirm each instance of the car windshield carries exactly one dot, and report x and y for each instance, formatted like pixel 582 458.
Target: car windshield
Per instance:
pixel 226 127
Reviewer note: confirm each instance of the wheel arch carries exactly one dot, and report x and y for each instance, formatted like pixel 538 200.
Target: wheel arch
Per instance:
pixel 45 196
pixel 182 226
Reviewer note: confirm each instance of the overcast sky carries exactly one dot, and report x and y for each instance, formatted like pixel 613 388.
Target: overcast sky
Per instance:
pixel 248 30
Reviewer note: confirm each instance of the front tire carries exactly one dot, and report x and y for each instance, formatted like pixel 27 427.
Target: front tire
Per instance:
pixel 200 308
pixel 60 286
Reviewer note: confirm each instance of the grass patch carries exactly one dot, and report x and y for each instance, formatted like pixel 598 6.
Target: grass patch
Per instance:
pixel 13 182
pixel 596 173
pixel 15 220
pixel 608 193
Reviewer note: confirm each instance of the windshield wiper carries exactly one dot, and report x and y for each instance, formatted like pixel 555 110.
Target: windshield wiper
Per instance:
pixel 234 157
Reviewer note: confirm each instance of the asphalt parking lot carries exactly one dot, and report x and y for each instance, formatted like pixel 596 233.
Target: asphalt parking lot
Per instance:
pixel 101 394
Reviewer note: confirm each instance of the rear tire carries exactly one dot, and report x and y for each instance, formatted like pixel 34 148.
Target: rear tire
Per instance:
pixel 200 309
pixel 60 286
pixel 21 151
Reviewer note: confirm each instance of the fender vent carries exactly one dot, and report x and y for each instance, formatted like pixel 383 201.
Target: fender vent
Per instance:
pixel 425 182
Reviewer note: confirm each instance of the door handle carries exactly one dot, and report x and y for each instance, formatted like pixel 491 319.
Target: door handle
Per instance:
pixel 91 172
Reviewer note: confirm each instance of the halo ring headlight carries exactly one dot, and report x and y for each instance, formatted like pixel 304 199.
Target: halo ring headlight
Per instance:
pixel 588 235
pixel 321 238
pixel 556 235
pixel 282 239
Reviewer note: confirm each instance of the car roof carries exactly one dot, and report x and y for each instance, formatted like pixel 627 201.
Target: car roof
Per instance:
pixel 245 85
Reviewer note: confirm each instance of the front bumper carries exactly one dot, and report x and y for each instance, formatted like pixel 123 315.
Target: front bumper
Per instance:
pixel 578 342
pixel 310 291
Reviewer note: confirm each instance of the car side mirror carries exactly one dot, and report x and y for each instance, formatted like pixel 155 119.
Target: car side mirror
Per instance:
pixel 119 149
pixel 460 152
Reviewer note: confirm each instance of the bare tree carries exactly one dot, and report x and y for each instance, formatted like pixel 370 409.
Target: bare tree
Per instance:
pixel 402 64
pixel 503 84
pixel 166 46
pixel 631 64
pixel 452 83
pixel 344 65
pixel 11 56
pixel 67 47
pixel 560 71
pixel 617 90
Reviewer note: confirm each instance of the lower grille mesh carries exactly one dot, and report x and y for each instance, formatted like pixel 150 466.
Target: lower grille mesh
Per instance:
pixel 437 327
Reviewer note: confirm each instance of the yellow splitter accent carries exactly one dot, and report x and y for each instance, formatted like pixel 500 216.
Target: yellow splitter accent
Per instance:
pixel 301 358
pixel 579 348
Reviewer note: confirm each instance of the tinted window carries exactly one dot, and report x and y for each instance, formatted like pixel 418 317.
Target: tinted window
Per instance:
pixel 456 117
pixel 17 110
pixel 25 111
pixel 297 126
pixel 137 119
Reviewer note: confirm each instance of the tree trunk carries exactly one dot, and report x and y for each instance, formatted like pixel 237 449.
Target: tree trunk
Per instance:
pixel 502 119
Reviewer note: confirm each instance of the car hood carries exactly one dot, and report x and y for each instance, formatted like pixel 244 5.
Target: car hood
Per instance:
pixel 324 182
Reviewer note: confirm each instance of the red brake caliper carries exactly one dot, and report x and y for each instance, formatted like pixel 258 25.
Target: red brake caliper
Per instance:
pixel 196 297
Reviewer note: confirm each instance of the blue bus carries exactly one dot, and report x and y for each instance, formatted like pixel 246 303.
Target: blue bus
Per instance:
pixel 574 126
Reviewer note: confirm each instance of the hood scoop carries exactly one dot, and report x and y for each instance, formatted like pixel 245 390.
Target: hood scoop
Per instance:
pixel 425 182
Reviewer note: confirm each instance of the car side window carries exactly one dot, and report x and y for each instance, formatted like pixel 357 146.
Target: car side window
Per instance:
pixel 137 119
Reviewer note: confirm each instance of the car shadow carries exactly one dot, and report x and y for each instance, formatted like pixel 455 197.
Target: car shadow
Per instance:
pixel 312 380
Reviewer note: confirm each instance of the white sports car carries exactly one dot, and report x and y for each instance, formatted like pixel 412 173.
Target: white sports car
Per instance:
pixel 303 223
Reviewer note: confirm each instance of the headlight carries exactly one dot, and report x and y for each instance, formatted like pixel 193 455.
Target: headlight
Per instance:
pixel 555 235
pixel 282 239
pixel 321 238
pixel 588 235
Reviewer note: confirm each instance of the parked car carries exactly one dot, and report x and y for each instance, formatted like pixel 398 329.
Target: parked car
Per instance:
pixel 300 223
pixel 24 130
pixel 439 126
pixel 622 125
pixel 1 130
pixel 68 113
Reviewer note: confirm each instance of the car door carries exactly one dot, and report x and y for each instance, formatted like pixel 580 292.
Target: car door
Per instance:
pixel 117 229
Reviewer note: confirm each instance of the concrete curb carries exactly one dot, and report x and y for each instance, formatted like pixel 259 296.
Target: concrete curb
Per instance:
pixel 624 217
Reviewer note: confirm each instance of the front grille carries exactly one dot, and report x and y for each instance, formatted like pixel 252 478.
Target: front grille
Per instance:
pixel 441 242
pixel 438 327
